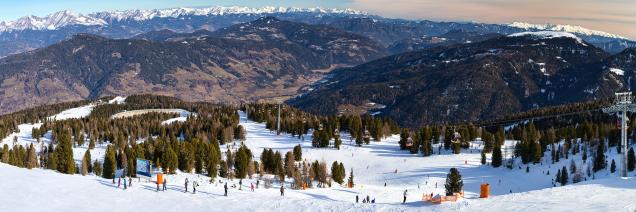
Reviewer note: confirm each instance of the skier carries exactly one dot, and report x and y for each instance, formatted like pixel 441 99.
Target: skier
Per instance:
pixel 241 184
pixel 282 190
pixel 405 194
pixel 367 198
pixel 119 182
pixel 194 187
pixel 373 201
pixel 257 182
pixel 252 186
pixel 356 198
pixel 125 184
pixel 165 181
pixel 225 188
pixel 384 184
pixel 129 182
pixel 186 185
pixel 157 186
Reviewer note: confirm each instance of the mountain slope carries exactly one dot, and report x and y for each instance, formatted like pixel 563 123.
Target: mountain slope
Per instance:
pixel 195 67
pixel 468 82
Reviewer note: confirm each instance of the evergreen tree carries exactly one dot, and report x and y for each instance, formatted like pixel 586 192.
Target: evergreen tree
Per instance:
pixel 454 182
pixel 337 174
pixel 483 158
pixel 110 163
pixel 32 160
pixel 170 160
pixel 613 166
pixel 298 153
pixel 537 152
pixel 243 158
pixel 496 156
pixel 599 159
pixel 97 168
pixel 64 153
pixel 564 176
pixel 631 160
pixel 558 176
pixel 5 154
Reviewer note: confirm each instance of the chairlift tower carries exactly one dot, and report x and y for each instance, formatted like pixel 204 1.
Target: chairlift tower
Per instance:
pixel 622 104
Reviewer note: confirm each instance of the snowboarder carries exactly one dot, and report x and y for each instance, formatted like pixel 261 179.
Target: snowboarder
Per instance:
pixel 165 181
pixel 225 188
pixel 252 186
pixel 125 184
pixel 186 185
pixel 405 194
pixel 282 190
pixel 194 187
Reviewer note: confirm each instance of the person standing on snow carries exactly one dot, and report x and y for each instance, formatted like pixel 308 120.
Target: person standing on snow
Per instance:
pixel 125 184
pixel 282 191
pixel 186 185
pixel 240 184
pixel 157 186
pixel 129 182
pixel 165 181
pixel 119 182
pixel 405 194
pixel 225 187
pixel 194 187
pixel 356 198
pixel 252 186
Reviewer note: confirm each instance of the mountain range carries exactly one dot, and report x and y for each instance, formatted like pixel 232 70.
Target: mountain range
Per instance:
pixel 326 61
pixel 265 58
pixel 31 32
pixel 475 81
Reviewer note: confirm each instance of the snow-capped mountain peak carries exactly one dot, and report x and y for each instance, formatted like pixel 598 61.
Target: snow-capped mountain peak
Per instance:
pixel 67 17
pixel 563 28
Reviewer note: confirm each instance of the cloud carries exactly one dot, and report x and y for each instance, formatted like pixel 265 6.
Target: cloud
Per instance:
pixel 614 16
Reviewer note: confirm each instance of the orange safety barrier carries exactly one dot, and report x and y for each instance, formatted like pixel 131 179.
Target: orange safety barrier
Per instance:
pixel 485 190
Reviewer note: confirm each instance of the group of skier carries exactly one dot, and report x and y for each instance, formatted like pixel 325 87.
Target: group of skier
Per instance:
pixel 127 183
pixel 365 200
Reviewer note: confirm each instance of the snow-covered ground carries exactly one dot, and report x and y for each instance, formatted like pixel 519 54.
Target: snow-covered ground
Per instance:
pixel 373 166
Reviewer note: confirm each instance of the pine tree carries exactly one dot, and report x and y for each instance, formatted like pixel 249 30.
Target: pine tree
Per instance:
pixel 97 168
pixel 110 163
pixel 170 160
pixel 454 182
pixel 558 176
pixel 631 160
pixel 298 153
pixel 496 156
pixel 537 152
pixel 337 174
pixel 564 176
pixel 243 158
pixel 483 158
pixel 599 159
pixel 613 166
pixel 64 153
pixel 5 154
pixel 32 160
pixel 85 162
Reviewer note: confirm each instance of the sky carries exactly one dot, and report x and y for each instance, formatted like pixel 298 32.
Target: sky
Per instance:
pixel 614 16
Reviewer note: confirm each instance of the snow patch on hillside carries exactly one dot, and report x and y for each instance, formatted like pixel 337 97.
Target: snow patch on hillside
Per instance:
pixel 73 113
pixel 548 35
pixel 617 71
